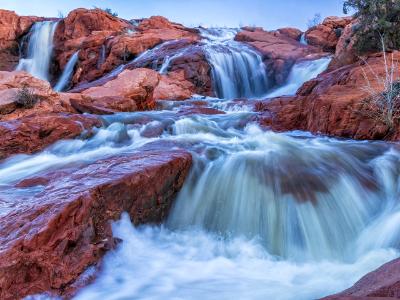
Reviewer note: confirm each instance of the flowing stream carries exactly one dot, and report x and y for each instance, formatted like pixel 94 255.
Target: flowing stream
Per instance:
pixel 262 215
pixel 40 49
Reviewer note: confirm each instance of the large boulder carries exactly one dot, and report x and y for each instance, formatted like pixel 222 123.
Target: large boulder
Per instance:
pixel 131 90
pixel 326 35
pixel 12 28
pixel 61 226
pixel 333 104
pixel 279 52
pixel 135 87
pixel 11 87
pixel 33 133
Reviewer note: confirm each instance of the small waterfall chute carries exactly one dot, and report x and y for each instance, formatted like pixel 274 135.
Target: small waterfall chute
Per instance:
pixel 40 50
pixel 67 73
pixel 237 70
pixel 301 72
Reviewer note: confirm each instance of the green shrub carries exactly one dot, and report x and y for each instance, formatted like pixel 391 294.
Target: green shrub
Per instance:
pixel 378 19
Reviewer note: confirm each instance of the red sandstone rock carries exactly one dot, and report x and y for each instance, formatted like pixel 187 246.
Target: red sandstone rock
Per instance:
pixel 383 283
pixel 53 236
pixel 105 42
pixel 331 104
pixel 290 32
pixel 174 87
pixel 345 53
pixel 132 90
pixel 327 34
pixel 279 52
pixel 34 133
pixel 136 86
pixel 10 85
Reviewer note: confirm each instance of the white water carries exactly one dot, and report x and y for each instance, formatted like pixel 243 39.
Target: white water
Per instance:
pixel 40 49
pixel 303 39
pixel 237 70
pixel 261 216
pixel 300 73
pixel 67 73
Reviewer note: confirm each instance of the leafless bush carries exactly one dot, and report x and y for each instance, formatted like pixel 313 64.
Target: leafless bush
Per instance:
pixel 25 98
pixel 383 103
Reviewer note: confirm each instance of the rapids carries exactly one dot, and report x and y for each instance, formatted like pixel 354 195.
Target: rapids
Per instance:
pixel 262 215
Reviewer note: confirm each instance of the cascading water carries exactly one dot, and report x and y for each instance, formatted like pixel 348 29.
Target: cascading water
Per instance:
pixel 237 70
pixel 67 73
pixel 301 72
pixel 40 49
pixel 262 215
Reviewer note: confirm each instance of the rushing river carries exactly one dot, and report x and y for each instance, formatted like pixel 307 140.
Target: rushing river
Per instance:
pixel 262 215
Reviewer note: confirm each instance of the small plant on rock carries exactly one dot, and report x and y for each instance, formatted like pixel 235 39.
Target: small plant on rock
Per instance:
pixel 25 98
pixel 383 103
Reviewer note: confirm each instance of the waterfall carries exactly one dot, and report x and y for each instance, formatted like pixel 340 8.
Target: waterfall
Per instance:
pixel 40 49
pixel 301 72
pixel 67 73
pixel 102 57
pixel 237 70
pixel 303 39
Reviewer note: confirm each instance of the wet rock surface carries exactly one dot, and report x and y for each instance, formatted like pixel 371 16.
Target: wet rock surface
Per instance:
pixel 51 237
pixel 34 133
pixel 331 104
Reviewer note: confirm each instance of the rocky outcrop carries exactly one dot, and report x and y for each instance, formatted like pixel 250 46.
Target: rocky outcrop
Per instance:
pixel 131 90
pixel 185 55
pixel 51 237
pixel 290 32
pixel 332 104
pixel 279 51
pixel 345 53
pixel 326 35
pixel 105 42
pixel 383 283
pixel 34 133
pixel 11 85
pixel 12 28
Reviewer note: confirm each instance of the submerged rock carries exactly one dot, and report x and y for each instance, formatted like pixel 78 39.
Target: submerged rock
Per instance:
pixel 53 236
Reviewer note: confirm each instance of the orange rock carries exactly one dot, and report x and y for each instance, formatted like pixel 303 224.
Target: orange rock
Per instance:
pixel 174 87
pixel 12 82
pixel 136 86
pixel 34 133
pixel 290 32
pixel 327 34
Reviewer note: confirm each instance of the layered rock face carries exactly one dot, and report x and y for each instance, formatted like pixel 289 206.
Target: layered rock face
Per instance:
pixel 51 237
pixel 327 34
pixel 105 42
pixel 279 51
pixel 332 104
